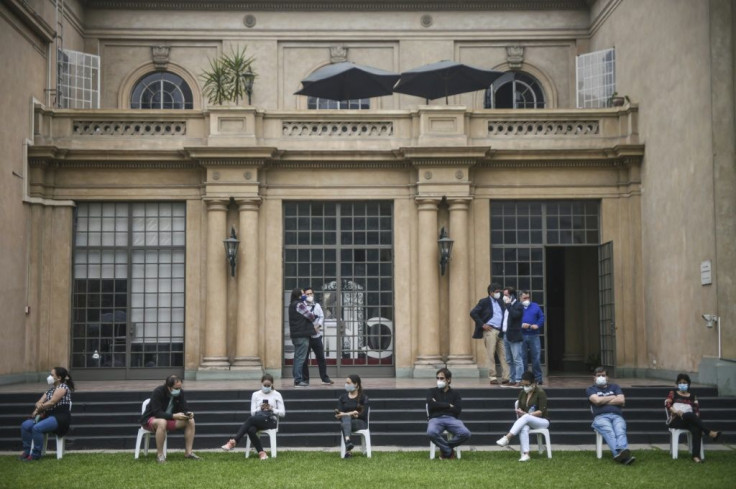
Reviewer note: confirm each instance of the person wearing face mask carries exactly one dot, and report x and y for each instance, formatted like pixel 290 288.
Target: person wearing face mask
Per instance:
pixel 683 413
pixel 301 328
pixel 168 411
pixel 532 322
pixel 266 406
pixel 352 411
pixel 606 401
pixel 51 414
pixel 513 339
pixel 488 317
pixel 315 341
pixel 531 412
pixel 444 406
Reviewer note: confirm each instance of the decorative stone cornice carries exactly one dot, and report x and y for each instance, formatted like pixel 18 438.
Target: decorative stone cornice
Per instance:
pixel 552 163
pixel 464 162
pixel 104 164
pixel 31 19
pixel 213 162
pixel 339 164
pixel 339 5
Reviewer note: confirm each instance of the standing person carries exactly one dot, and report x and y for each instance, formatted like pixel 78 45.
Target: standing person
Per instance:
pixel 512 336
pixel 606 401
pixel 532 322
pixel 168 411
pixel 315 340
pixel 444 406
pixel 488 317
pixel 352 411
pixel 531 412
pixel 51 414
pixel 300 329
pixel 683 413
pixel 266 406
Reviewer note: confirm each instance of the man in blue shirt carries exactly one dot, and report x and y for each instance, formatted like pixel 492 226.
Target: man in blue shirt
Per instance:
pixel 532 322
pixel 606 401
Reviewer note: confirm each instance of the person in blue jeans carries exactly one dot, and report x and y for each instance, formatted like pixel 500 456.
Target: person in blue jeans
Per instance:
pixel 444 406
pixel 52 414
pixel 301 327
pixel 532 323
pixel 606 401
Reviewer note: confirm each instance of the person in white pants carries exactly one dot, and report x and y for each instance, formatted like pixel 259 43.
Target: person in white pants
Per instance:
pixel 531 409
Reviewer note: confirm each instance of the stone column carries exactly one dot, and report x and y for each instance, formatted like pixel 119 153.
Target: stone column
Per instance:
pixel 460 360
pixel 215 328
pixel 428 354
pixel 247 335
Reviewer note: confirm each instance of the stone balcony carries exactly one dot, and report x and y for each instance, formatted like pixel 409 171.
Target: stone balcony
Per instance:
pixel 515 134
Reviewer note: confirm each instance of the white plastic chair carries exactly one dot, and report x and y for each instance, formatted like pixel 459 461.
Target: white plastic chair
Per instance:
pixel 60 443
pixel 446 434
pixel 598 444
pixel 675 434
pixel 365 438
pixel 271 436
pixel 144 433
pixel 540 432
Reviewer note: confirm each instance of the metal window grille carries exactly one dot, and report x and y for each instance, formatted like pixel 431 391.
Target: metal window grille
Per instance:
pixel 595 75
pixel 326 104
pixel 78 80
pixel 515 90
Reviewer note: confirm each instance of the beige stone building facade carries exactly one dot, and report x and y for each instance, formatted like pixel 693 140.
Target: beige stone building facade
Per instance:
pixel 620 220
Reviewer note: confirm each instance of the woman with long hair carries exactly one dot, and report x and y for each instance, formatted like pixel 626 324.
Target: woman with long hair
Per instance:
pixel 352 410
pixel 51 414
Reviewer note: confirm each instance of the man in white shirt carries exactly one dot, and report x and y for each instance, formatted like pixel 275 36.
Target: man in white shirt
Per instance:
pixel 315 341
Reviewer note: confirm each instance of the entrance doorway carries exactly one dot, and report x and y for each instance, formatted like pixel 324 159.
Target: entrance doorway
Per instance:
pixel 572 309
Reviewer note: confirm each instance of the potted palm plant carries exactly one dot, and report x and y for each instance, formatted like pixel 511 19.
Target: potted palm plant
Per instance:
pixel 229 78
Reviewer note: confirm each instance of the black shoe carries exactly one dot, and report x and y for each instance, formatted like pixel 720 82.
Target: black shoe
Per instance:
pixel 622 456
pixel 629 460
pixel 31 458
pixel 349 446
pixel 328 381
pixel 23 456
pixel 348 455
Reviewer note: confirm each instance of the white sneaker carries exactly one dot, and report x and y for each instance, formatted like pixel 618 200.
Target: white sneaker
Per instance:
pixel 502 442
pixel 524 458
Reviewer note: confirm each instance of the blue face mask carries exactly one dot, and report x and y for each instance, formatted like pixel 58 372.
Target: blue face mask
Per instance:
pixel 175 392
pixel 350 387
pixel 303 298
pixel 683 387
pixel 265 389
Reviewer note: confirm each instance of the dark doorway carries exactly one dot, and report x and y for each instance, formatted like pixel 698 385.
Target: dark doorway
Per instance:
pixel 573 333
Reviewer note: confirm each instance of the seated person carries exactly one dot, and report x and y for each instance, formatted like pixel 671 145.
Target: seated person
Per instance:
pixel 444 406
pixel 606 401
pixel 531 410
pixel 266 406
pixel 168 411
pixel 352 411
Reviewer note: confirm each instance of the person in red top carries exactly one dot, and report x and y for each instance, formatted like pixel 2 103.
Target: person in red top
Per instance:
pixel 683 412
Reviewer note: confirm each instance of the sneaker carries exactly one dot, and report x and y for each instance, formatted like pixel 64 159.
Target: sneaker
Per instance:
pixel 524 458
pixel 517 385
pixel 329 381
pixel 622 456
pixel 229 445
pixel 629 460
pixel 493 381
pixel 161 459
pixel 30 458
pixel 348 455
pixel 503 441
pixel 192 456
pixel 301 384
pixel 23 456
pixel 349 446
pixel 262 455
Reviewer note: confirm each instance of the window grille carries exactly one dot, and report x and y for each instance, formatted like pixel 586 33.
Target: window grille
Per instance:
pixel 161 90
pixel 596 78
pixel 515 90
pixel 323 103
pixel 78 84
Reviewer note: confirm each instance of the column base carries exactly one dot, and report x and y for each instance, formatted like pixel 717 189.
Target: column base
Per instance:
pixel 463 366
pixel 215 363
pixel 246 363
pixel 426 366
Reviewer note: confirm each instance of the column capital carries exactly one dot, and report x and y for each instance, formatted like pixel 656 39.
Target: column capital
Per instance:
pixel 459 204
pixel 216 204
pixel 249 204
pixel 427 203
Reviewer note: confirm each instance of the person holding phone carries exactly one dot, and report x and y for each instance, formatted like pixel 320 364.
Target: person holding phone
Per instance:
pixel 352 410
pixel 266 407
pixel 531 413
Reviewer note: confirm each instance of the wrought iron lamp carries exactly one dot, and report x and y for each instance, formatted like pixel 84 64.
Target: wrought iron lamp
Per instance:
pixel 445 245
pixel 231 250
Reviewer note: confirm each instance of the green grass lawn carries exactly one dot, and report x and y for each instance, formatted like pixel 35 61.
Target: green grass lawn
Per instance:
pixel 386 470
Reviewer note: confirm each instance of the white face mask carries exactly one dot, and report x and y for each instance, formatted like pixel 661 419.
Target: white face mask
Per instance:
pixel 526 303
pixel 528 388
pixel 497 295
pixel 441 384
pixel 310 299
pixel 50 380
pixel 600 380
pixel 506 299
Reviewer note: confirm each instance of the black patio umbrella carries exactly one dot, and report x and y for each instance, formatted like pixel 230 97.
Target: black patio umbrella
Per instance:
pixel 348 81
pixel 443 79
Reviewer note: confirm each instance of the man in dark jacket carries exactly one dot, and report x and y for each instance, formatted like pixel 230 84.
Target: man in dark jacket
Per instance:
pixel 488 317
pixel 301 328
pixel 444 406
pixel 167 411
pixel 513 338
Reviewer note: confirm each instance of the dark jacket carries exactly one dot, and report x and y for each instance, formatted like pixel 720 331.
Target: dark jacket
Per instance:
pixel 481 314
pixel 513 326
pixel 160 401
pixel 537 401
pixel 345 404
pixel 438 403
pixel 299 325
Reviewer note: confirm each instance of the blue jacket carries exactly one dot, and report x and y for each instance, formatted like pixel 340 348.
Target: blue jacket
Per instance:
pixel 533 315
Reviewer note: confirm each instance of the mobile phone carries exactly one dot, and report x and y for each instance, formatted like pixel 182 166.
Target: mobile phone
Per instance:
pixel 265 401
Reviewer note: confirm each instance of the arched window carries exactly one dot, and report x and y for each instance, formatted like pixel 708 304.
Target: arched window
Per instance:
pixel 323 103
pixel 161 90
pixel 515 90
